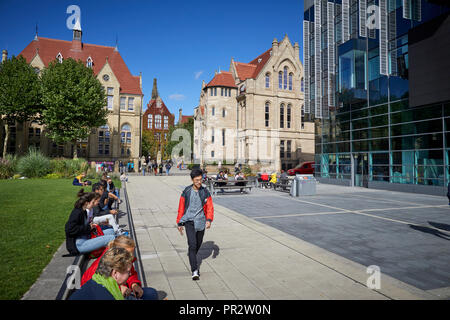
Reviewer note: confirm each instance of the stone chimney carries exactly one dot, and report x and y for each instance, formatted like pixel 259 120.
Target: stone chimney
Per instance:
pixel 4 55
pixel 275 47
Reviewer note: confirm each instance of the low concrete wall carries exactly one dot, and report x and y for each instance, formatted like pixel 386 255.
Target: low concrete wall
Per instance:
pixel 337 182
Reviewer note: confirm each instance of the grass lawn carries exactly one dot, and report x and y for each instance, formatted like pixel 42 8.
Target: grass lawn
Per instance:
pixel 33 213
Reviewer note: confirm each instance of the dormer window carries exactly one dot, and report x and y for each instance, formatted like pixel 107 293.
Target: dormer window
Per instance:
pixel 259 60
pixel 89 62
pixel 59 57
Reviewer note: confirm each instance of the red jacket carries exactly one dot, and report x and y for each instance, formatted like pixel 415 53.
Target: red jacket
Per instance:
pixel 206 198
pixel 87 275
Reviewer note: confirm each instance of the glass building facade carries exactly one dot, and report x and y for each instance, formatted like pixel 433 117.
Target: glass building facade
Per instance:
pixel 357 91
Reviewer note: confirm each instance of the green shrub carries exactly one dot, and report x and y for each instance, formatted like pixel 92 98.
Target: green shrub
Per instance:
pixel 247 170
pixel 8 166
pixel 53 176
pixel 34 164
pixel 67 168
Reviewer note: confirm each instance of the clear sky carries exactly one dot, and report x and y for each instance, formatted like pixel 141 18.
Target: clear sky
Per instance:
pixel 180 43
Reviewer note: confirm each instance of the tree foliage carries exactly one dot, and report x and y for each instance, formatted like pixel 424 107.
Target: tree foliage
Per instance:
pixel 20 94
pixel 74 101
pixel 149 144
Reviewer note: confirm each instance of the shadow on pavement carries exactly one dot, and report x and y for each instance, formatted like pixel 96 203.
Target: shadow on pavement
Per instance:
pixel 441 226
pixel 431 231
pixel 207 248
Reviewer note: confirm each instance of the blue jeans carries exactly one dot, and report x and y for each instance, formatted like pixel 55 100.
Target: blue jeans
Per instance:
pixel 89 245
pixel 149 294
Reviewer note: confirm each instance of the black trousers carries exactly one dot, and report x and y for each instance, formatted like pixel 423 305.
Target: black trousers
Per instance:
pixel 195 239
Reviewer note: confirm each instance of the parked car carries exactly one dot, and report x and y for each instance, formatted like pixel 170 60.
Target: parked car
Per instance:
pixel 302 168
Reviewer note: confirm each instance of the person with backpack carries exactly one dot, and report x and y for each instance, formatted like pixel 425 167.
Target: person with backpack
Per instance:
pixel 78 227
pixel 168 167
pixel 195 213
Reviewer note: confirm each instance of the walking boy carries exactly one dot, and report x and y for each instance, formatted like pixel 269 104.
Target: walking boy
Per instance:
pixel 195 213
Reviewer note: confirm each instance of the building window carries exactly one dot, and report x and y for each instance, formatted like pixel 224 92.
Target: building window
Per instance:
pixel 282 116
pixel 89 62
pixel 302 85
pixel 282 149
pixel 125 138
pixel 123 101
pixel 267 80
pixel 212 136
pixel 221 92
pixel 288 149
pixel 59 57
pixel 215 91
pixel 288 117
pixel 130 104
pixel 110 91
pixel 223 113
pixel 213 111
pixel 223 137
pixel 110 102
pixel 158 121
pixel 150 121
pixel 290 81
pixel 285 78
pixel 211 91
pixel 212 154
pixel 166 122
pixel 103 140
pixel 267 110
pixel 280 80
pixel 303 117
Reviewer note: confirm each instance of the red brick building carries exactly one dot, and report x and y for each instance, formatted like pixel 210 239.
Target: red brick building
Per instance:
pixel 158 119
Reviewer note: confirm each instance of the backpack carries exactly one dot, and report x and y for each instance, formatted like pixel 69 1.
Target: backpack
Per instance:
pixel 97 232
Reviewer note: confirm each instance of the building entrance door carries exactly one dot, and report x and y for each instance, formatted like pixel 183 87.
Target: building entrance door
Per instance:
pixel 361 170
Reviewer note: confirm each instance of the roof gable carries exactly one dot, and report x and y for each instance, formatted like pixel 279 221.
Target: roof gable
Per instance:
pixel 48 49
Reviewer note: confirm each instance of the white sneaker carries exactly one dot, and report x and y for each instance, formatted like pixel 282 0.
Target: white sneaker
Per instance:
pixel 195 275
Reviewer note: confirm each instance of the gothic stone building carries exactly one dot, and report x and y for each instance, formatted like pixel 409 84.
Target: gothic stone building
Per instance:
pixel 253 113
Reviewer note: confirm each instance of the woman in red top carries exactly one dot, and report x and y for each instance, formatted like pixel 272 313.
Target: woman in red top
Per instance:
pixel 133 288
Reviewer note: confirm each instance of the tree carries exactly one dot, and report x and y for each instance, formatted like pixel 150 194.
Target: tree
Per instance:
pixel 189 126
pixel 149 144
pixel 20 94
pixel 74 101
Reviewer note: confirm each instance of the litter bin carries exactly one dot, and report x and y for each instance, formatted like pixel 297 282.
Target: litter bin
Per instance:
pixel 306 185
pixel 294 187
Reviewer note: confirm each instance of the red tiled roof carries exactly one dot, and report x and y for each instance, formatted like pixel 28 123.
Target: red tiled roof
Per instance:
pixel 48 49
pixel 222 79
pixel 252 69
pixel 185 119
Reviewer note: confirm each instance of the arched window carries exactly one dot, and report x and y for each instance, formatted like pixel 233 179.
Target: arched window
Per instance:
pixel 89 62
pixel 267 114
pixel 267 80
pixel 125 139
pixel 282 116
pixel 288 116
pixel 280 80
pixel 59 57
pixel 285 76
pixel 290 81
pixel 103 140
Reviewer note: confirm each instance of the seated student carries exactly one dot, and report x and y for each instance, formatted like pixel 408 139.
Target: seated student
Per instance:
pixel 123 177
pixel 102 216
pixel 240 176
pixel 221 180
pixel 111 188
pixel 78 180
pixel 273 180
pixel 113 270
pixel 99 209
pixel 78 227
pixel 108 198
pixel 132 289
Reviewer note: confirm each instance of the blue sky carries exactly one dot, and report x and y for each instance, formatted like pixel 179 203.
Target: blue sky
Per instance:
pixel 180 43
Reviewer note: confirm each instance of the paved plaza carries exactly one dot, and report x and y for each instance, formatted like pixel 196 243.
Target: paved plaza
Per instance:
pixel 268 245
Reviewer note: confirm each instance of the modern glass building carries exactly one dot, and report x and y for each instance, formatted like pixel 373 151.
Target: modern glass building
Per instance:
pixel 377 85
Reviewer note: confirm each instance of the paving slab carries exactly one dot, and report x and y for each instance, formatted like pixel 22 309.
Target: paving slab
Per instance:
pixel 246 257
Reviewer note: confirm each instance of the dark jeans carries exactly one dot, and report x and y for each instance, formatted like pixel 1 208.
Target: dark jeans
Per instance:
pixel 195 239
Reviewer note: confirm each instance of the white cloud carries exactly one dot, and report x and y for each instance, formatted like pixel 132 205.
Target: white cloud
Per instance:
pixel 198 74
pixel 177 97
